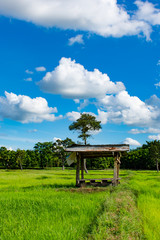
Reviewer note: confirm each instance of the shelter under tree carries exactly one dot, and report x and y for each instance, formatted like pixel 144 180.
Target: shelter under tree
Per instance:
pixel 92 151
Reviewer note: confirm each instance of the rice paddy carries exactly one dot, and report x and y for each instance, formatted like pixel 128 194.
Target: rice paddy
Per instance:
pixel 44 204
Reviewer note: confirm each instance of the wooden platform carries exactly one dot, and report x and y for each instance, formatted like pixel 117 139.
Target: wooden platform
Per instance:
pixel 98 182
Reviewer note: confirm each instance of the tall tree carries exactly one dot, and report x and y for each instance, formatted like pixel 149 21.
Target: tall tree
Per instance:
pixel 85 125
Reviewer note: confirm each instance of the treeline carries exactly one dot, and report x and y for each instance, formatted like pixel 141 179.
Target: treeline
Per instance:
pixel 46 155
pixel 49 154
pixel 146 157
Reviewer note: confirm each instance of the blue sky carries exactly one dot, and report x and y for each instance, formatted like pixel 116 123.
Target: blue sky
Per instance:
pixel 61 58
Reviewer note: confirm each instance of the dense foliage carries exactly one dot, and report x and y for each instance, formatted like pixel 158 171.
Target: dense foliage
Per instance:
pixel 85 125
pixel 49 154
pixel 146 157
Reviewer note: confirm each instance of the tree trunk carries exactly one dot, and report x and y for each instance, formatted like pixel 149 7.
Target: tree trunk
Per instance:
pixel 21 166
pixel 157 165
pixel 63 164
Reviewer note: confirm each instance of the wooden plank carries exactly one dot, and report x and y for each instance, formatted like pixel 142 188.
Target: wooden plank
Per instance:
pixel 99 148
pixel 100 179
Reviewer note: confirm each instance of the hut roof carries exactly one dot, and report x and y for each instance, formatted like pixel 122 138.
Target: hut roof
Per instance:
pixel 98 150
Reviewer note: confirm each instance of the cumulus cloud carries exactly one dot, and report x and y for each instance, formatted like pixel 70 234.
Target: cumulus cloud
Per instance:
pixel 77 39
pixel 103 17
pixel 73 116
pixel 40 69
pixel 25 109
pixel 131 142
pixel 148 12
pixel 123 108
pixel 72 80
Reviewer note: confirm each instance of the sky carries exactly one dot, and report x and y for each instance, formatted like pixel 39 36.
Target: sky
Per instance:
pixel 61 58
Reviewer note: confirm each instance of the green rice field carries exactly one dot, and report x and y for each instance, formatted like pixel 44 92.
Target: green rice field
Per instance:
pixel 45 204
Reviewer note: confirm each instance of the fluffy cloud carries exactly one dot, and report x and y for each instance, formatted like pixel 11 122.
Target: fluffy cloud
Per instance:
pixel 25 109
pixel 73 116
pixel 148 12
pixel 129 109
pixel 72 80
pixel 103 17
pixel 40 69
pixel 131 142
pixel 76 39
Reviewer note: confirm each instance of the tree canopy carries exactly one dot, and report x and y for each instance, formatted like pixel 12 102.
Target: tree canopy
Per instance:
pixel 85 125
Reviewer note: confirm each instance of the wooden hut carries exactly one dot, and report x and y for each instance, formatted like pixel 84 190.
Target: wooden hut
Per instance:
pixel 93 151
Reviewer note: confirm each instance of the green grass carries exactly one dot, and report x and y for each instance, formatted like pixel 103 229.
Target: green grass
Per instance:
pixel 44 204
pixel 146 186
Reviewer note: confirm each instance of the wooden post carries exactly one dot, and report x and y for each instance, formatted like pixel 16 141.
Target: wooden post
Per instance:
pixel 78 169
pixel 82 168
pixel 115 170
pixel 118 163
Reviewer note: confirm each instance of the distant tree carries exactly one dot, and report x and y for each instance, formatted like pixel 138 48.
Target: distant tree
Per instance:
pixel 20 157
pixel 85 125
pixel 154 152
pixel 59 148
pixel 5 157
pixel 44 151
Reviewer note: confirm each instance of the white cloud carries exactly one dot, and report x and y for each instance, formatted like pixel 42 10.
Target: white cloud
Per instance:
pixel 73 116
pixel 149 130
pixel 103 17
pixel 40 69
pixel 102 116
pixel 157 84
pixel 28 79
pixel 29 72
pixel 129 109
pixel 148 12
pixel 72 80
pixel 131 142
pixel 154 137
pixel 77 39
pixel 25 109
pixel 76 101
pixel 32 130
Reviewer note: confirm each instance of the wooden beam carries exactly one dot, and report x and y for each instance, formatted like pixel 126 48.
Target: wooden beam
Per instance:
pixel 116 170
pixel 78 169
